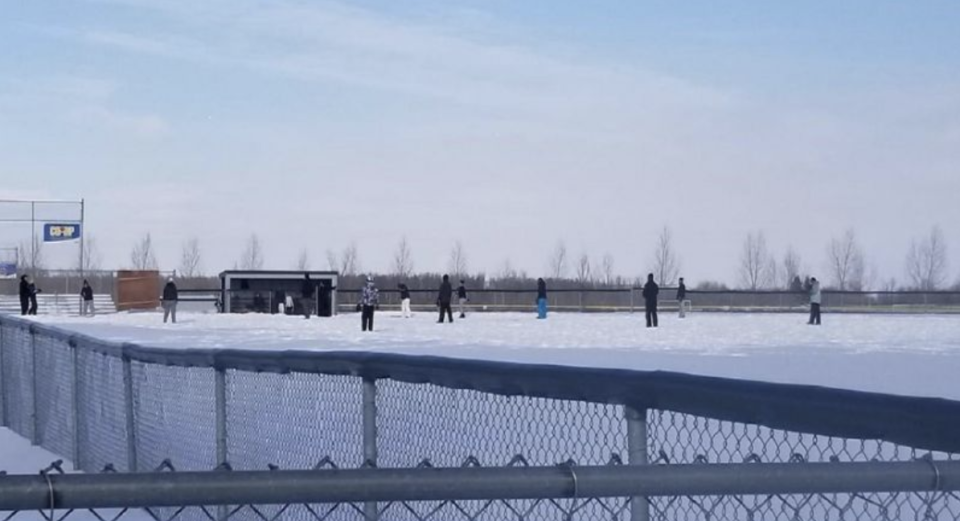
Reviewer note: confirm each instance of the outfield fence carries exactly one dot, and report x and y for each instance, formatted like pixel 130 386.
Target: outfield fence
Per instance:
pixel 750 450
pixel 631 300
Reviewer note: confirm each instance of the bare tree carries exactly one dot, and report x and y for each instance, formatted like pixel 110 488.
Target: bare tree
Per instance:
pixel 558 261
pixel 402 259
pixel 666 265
pixel 927 261
pixel 332 263
pixel 458 261
pixel 606 270
pixel 350 260
pixel 90 260
pixel 303 260
pixel 252 256
pixel 791 266
pixel 190 259
pixel 507 271
pixel 846 262
pixel 31 255
pixel 143 256
pixel 584 272
pixel 756 262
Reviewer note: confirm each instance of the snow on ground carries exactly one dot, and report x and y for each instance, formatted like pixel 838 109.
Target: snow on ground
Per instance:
pixel 17 456
pixel 902 354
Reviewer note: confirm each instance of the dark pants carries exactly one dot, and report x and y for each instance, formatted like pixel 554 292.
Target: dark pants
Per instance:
pixel 814 314
pixel 366 318
pixel 445 308
pixel 24 305
pixel 33 305
pixel 651 314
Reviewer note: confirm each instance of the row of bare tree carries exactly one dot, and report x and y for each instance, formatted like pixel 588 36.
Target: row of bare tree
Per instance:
pixel 846 264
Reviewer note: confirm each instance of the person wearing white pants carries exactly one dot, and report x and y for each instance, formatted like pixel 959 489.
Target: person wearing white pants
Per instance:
pixel 404 300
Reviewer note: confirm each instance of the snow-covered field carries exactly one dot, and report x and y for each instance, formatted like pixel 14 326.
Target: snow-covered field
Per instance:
pixel 903 354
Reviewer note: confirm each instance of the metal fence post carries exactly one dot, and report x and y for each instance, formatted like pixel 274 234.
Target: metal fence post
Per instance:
pixel 220 398
pixel 637 455
pixel 3 380
pixel 34 414
pixel 220 391
pixel 129 414
pixel 74 348
pixel 370 438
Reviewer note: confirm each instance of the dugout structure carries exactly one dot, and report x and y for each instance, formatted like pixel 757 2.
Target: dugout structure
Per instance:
pixel 277 292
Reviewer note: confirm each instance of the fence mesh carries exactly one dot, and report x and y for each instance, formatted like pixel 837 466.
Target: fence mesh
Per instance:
pixel 293 420
pixel 446 426
pixel 102 417
pixel 302 420
pixel 55 421
pixel 174 416
pixel 18 380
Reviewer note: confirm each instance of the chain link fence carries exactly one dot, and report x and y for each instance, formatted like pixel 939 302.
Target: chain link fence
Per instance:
pixel 131 408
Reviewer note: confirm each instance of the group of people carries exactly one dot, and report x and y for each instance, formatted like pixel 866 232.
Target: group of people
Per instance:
pixel 369 301
pixel 651 293
pixel 29 291
pixel 28 295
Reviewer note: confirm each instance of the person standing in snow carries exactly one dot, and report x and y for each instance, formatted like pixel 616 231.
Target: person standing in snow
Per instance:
pixel 404 300
pixel 462 299
pixel 814 302
pixel 24 294
pixel 86 299
pixel 681 296
pixel 169 303
pixel 541 298
pixel 308 290
pixel 444 299
pixel 650 292
pixel 369 302
pixel 33 290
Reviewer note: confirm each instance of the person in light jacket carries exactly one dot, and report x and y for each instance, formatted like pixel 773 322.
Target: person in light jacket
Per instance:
pixel 815 298
pixel 369 302
pixel 462 299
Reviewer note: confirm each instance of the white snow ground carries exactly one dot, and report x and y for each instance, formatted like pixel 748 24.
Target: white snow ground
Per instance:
pixel 17 456
pixel 903 354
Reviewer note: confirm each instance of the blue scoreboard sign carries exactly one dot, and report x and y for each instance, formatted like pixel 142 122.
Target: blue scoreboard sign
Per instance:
pixel 61 232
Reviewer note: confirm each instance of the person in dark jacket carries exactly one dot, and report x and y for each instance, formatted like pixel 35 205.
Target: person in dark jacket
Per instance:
pixel 681 296
pixel 369 302
pixel 86 299
pixel 650 292
pixel 33 290
pixel 541 298
pixel 24 294
pixel 462 299
pixel 170 298
pixel 444 298
pixel 308 292
pixel 404 300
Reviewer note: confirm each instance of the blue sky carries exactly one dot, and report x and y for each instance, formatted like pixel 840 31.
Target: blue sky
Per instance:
pixel 505 125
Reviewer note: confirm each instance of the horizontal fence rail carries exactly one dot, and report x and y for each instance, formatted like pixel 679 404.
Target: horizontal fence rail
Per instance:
pixel 169 489
pixel 130 408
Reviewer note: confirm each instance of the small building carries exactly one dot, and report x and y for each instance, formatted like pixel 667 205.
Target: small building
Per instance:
pixel 276 291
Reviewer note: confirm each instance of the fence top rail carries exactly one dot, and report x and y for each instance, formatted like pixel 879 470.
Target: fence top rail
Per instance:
pixel 923 423
pixel 160 489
